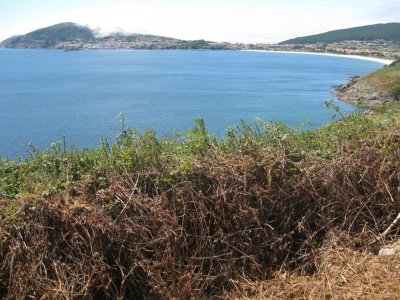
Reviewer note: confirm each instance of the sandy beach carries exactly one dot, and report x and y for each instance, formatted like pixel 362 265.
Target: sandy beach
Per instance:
pixel 383 61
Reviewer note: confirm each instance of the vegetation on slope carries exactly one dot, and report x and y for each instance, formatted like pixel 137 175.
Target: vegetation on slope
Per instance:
pixel 387 32
pixel 376 88
pixel 55 37
pixel 49 36
pixel 189 216
pixel 386 79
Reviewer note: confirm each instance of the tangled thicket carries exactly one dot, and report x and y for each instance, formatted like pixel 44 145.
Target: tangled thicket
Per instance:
pixel 191 227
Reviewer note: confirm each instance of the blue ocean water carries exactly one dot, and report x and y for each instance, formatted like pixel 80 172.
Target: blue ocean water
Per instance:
pixel 48 94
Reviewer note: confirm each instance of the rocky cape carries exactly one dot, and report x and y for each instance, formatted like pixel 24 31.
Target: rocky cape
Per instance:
pixel 377 88
pixel 359 90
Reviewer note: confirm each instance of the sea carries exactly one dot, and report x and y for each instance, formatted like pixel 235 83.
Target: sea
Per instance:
pixel 79 96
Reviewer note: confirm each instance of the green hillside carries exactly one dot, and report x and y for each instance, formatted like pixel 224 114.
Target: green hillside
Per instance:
pixel 49 36
pixel 70 36
pixel 388 32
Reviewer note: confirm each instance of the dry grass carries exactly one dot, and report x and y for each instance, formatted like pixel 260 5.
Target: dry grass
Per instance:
pixel 349 275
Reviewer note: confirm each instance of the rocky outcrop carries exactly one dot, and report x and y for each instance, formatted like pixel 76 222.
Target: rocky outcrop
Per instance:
pixel 359 90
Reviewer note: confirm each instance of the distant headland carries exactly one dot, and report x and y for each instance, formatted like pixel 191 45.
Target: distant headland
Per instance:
pixel 379 40
pixel 71 36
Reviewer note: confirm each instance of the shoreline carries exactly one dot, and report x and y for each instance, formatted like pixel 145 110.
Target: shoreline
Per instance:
pixel 356 88
pixel 384 61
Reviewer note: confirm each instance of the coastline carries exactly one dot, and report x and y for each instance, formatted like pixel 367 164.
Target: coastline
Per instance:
pixel 357 88
pixel 383 61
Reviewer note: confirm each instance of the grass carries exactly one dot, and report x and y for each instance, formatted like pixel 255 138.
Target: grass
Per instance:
pixel 189 216
pixel 386 79
pixel 349 275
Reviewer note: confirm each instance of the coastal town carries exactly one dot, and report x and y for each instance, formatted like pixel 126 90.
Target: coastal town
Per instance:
pixel 375 48
pixel 377 41
pixel 138 41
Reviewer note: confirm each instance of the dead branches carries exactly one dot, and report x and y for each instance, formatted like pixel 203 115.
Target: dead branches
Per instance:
pixel 193 233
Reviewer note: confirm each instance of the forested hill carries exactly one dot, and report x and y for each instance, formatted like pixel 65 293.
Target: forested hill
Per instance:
pixel 49 36
pixel 387 32
pixel 70 36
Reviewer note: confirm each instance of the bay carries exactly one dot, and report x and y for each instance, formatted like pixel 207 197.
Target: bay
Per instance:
pixel 48 94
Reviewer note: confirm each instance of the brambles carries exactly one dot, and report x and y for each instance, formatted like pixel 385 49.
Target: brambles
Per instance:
pixel 187 216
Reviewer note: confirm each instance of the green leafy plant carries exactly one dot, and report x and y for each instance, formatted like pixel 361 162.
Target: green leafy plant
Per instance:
pixel 332 105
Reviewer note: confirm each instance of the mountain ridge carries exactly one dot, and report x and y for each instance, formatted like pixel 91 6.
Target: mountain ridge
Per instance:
pixel 382 31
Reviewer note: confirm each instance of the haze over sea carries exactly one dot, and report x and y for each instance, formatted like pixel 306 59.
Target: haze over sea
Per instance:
pixel 46 94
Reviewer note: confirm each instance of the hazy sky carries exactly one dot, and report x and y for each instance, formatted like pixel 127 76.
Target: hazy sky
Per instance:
pixel 218 20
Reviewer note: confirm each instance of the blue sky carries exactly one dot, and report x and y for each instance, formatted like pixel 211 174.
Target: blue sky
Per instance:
pixel 219 20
